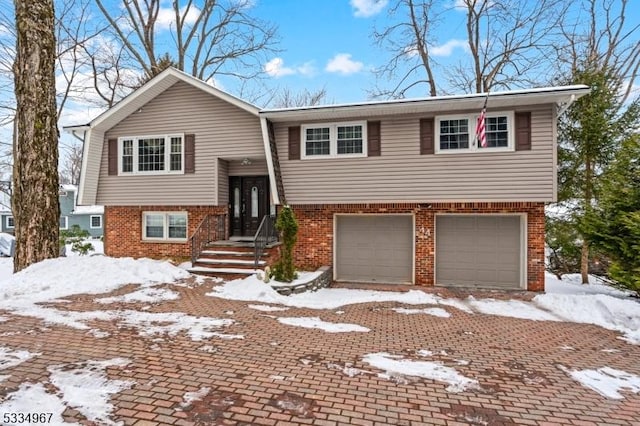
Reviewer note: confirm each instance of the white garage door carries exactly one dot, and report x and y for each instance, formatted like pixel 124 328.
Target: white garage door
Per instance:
pixel 374 248
pixel 479 251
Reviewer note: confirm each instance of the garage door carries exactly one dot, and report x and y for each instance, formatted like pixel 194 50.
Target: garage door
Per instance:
pixel 374 248
pixel 481 251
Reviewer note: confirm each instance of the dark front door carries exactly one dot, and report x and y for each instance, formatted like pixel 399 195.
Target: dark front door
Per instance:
pixel 249 202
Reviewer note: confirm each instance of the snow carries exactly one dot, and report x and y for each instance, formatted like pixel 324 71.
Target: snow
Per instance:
pixel 606 381
pixel 593 304
pixel 267 308
pixel 511 308
pixel 395 365
pixel 303 278
pixel 436 312
pixel 191 397
pixel 87 389
pixel 88 210
pixel 10 358
pixel 144 295
pixel 32 397
pixel 315 322
pixel 252 289
pixel 172 323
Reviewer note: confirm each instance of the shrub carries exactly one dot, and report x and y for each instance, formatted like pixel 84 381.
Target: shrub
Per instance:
pixel 284 270
pixel 77 237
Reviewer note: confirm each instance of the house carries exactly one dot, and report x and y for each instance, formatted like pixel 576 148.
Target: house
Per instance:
pixel 89 218
pixel 392 192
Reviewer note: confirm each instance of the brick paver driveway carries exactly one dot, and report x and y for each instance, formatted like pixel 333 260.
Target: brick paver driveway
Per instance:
pixel 280 374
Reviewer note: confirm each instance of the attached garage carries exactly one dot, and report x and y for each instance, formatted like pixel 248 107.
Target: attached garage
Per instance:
pixel 480 250
pixel 374 248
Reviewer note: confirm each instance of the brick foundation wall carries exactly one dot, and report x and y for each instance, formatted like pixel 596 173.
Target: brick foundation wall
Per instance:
pixel 123 231
pixel 315 236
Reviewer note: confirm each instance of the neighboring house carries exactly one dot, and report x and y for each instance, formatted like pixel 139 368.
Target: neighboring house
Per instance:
pixel 89 218
pixel 390 192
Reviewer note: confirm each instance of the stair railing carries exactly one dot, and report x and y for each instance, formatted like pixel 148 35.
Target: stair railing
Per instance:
pixel 265 234
pixel 212 228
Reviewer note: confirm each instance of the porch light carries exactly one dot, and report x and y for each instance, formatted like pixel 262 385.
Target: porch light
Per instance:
pixel 246 161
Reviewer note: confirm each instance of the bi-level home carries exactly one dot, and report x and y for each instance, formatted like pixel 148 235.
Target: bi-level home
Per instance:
pixel 384 192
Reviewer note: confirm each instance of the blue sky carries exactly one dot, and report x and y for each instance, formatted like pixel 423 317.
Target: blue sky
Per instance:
pixel 329 44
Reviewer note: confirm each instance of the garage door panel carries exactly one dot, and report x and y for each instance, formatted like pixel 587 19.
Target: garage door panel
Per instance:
pixel 374 248
pixel 477 250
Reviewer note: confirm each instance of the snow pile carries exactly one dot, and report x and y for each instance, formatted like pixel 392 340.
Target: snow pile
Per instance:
pixel 65 276
pixel 330 327
pixel 606 381
pixel 510 308
pixel 87 389
pixel 251 289
pixel 144 295
pixel 436 312
pixel 395 365
pixel 9 358
pixel 592 304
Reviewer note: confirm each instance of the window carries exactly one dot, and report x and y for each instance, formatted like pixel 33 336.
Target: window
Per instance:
pixel 164 226
pixel 457 133
pixel 151 154
pixel 64 222
pixel 95 222
pixel 9 222
pixel 334 140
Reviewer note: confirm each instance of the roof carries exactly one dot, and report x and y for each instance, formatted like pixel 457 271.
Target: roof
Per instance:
pixel 435 104
pixel 150 90
pixel 88 210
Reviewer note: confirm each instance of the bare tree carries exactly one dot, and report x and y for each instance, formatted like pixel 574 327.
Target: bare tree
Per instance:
pixel 70 172
pixel 407 41
pixel 506 42
pixel 286 98
pixel 35 204
pixel 214 37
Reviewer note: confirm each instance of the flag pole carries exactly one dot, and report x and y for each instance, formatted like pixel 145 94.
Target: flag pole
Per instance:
pixel 481 137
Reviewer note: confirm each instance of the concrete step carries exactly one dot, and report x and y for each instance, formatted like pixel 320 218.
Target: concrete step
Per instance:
pixel 226 253
pixel 238 262
pixel 200 270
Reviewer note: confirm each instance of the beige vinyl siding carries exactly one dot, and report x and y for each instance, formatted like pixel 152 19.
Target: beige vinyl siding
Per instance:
pixel 222 131
pixel 402 174
pixel 258 167
pixel 223 182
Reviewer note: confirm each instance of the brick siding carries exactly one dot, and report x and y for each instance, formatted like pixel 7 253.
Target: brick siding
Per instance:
pixel 315 236
pixel 123 231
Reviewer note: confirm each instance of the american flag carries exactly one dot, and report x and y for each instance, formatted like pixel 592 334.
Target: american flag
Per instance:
pixel 481 136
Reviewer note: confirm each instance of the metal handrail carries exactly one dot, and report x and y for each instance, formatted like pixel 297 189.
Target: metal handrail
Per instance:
pixel 265 234
pixel 212 228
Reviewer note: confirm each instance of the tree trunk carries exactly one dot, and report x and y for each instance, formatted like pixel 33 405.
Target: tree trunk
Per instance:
pixel 588 195
pixel 35 204
pixel 584 262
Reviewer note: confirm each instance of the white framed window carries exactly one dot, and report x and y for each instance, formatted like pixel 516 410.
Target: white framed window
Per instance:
pixel 164 226
pixel 158 154
pixel 64 222
pixel 9 223
pixel 457 133
pixel 95 221
pixel 331 140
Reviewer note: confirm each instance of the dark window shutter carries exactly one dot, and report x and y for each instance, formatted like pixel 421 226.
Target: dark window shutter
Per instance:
pixel 523 131
pixel 427 136
pixel 190 153
pixel 373 138
pixel 294 143
pixel 112 154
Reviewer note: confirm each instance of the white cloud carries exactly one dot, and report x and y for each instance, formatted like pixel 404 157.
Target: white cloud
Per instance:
pixel 343 64
pixel 167 17
pixel 367 8
pixel 276 68
pixel 447 48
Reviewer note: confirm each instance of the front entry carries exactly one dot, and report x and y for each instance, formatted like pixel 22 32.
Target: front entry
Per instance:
pixel 249 202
